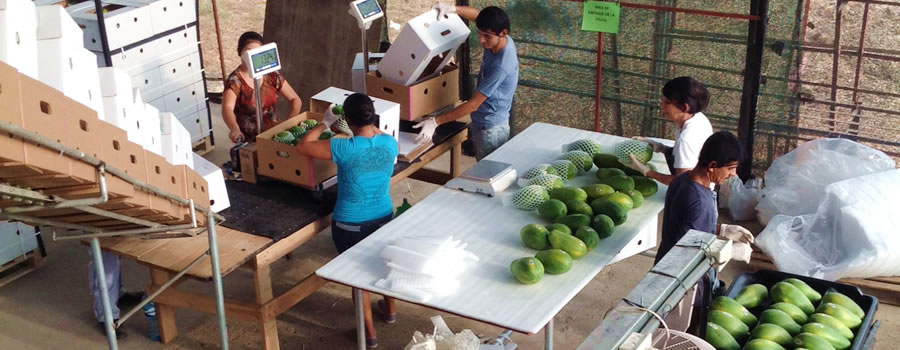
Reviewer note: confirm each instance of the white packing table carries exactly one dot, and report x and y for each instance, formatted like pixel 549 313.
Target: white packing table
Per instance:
pixel 488 292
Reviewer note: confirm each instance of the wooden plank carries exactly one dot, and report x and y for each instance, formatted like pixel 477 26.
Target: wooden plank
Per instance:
pixel 431 176
pixel 262 282
pixel 15 169
pixel 199 302
pixel 46 181
pixel 27 264
pixel 288 244
pixel 298 292
pixel 131 247
pixel 887 293
pixel 429 156
pixel 235 249
pixel 203 146
pixel 176 253
pixel 165 312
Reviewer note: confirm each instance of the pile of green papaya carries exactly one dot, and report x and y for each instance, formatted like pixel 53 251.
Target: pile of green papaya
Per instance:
pixel 792 315
pixel 579 218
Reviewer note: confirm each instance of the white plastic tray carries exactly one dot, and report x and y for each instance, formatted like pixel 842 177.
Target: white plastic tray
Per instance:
pixel 488 292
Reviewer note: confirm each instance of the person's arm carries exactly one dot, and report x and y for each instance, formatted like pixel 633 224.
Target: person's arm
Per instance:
pixel 229 99
pixel 291 96
pixel 462 110
pixel 663 178
pixel 467 13
pixel 312 147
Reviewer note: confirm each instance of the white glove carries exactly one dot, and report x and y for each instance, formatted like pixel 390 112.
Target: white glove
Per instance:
pixel 657 147
pixel 428 125
pixel 741 252
pixel 736 233
pixel 330 117
pixel 636 165
pixel 443 9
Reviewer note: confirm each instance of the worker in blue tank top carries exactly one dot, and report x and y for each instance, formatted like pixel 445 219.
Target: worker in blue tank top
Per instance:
pixel 365 164
pixel 497 81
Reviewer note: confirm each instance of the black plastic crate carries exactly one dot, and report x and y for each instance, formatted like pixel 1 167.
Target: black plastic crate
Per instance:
pixel 768 278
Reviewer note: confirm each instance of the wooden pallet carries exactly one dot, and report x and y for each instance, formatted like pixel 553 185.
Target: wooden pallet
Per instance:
pixel 886 289
pixel 20 266
pixel 203 146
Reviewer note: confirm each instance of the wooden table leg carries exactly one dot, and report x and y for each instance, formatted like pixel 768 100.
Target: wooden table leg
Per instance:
pixel 165 314
pixel 262 280
pixel 455 157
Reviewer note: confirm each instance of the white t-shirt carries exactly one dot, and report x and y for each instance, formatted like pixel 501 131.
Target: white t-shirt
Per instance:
pixel 689 140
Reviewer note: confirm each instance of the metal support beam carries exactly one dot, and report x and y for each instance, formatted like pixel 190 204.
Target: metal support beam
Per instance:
pixel 752 78
pixel 104 295
pixel 217 280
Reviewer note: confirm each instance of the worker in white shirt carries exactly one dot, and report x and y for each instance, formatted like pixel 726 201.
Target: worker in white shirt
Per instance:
pixel 683 102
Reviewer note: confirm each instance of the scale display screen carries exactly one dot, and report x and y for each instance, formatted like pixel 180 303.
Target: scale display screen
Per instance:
pixel 368 8
pixel 264 60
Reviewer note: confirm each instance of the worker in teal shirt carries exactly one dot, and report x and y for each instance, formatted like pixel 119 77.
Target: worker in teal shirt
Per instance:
pixel 497 82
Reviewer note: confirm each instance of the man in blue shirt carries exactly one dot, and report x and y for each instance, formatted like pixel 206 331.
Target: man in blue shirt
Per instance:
pixel 497 82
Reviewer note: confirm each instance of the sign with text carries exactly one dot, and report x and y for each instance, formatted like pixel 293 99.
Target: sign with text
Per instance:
pixel 601 16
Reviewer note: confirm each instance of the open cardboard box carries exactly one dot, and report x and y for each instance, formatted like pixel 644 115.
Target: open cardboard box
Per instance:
pixel 284 162
pixel 419 99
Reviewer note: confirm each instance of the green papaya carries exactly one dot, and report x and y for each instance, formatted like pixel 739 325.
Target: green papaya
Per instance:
pixel 829 321
pixel 734 308
pixel 834 297
pixel 552 209
pixel 613 210
pixel 603 225
pixel 559 227
pixel 810 293
pixel 589 236
pixel 568 243
pixel 555 261
pixel 762 344
pixel 604 160
pixel 792 310
pixel 527 270
pixel 645 185
pixel 535 236
pixel 832 336
pixel 620 183
pixel 786 292
pixel 778 318
pixel 752 295
pixel 623 199
pixel 579 207
pixel 573 221
pixel 812 341
pixel 841 313
pixel 568 193
pixel 773 333
pixel 598 190
pixel 719 338
pixel 603 173
pixel 636 198
pixel 732 324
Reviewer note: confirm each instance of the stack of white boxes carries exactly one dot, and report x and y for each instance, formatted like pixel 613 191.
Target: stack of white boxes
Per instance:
pixel 176 141
pixel 18 43
pixel 155 43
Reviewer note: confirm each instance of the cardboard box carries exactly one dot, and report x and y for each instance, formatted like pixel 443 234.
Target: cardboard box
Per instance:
pixel 53 22
pixel 176 141
pixel 249 162
pixel 388 112
pixel 166 14
pixel 149 83
pixel 181 73
pixel 115 82
pixel 86 90
pixel 182 101
pixel 424 46
pixel 215 182
pixel 149 131
pixel 119 111
pixel 124 25
pixel 10 98
pixel 284 162
pixel 358 73
pixel 167 178
pixel 18 40
pixel 197 188
pixel 420 99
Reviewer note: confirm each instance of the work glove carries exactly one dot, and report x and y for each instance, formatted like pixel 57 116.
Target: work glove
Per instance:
pixel 741 252
pixel 636 165
pixel 443 9
pixel 736 233
pixel 330 117
pixel 428 125
pixel 657 147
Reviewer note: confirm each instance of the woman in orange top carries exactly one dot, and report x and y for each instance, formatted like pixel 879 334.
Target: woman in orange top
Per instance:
pixel 239 100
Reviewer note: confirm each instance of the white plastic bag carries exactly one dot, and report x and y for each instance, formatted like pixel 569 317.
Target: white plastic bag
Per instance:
pixel 443 338
pixel 742 198
pixel 854 232
pixel 795 182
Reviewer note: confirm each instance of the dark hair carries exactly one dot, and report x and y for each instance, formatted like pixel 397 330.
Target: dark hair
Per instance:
pixel 687 91
pixel 723 148
pixel 492 19
pixel 359 110
pixel 246 38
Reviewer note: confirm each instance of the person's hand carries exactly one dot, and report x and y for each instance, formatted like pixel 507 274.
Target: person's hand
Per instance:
pixel 736 233
pixel 428 125
pixel 236 136
pixel 636 165
pixel 741 252
pixel 330 117
pixel 657 147
pixel 443 9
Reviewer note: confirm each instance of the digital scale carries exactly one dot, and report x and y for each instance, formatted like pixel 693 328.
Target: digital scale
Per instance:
pixel 487 177
pixel 261 61
pixel 365 12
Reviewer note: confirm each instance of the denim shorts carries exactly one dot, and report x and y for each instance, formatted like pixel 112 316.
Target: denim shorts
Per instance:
pixel 486 140
pixel 346 235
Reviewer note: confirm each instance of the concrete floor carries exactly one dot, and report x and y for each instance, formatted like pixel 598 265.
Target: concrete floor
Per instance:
pixel 51 308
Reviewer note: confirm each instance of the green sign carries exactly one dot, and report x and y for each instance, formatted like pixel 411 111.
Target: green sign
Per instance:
pixel 601 16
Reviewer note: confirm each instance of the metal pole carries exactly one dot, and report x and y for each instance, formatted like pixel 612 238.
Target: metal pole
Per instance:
pixel 104 296
pixel 365 52
pixel 159 291
pixel 548 335
pixel 360 319
pixel 752 79
pixel 599 82
pixel 217 280
pixel 219 40
pixel 257 85
pixel 101 26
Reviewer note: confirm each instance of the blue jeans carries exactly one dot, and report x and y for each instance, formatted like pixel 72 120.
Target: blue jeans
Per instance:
pixel 486 140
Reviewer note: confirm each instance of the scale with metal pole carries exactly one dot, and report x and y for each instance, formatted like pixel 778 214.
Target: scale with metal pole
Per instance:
pixel 365 12
pixel 487 177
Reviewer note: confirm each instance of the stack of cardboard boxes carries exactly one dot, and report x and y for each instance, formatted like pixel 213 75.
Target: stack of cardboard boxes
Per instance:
pixel 108 121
